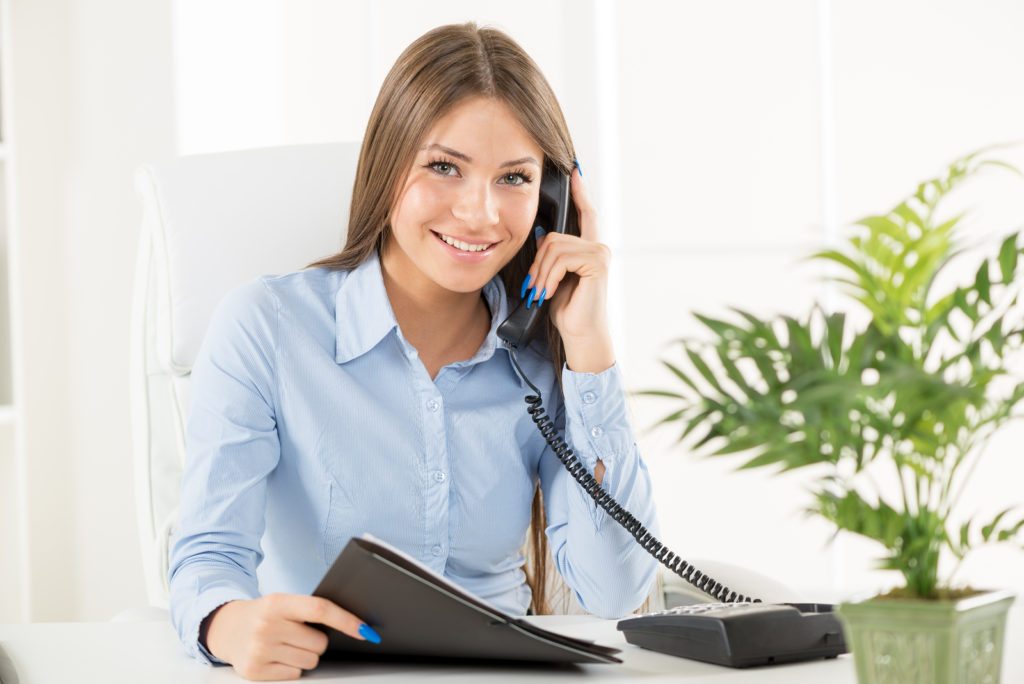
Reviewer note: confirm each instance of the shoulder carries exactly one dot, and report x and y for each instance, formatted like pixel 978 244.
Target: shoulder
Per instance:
pixel 255 307
pixel 306 284
pixel 245 318
pixel 263 300
pixel 301 293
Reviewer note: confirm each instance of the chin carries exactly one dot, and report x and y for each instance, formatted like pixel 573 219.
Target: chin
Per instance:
pixel 463 285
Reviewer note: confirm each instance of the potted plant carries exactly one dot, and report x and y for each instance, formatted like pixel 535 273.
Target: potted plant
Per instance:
pixel 907 398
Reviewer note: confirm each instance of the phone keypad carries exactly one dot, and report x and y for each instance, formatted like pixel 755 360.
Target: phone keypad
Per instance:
pixel 699 608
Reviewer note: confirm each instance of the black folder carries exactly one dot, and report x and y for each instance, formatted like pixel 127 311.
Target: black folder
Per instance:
pixel 420 614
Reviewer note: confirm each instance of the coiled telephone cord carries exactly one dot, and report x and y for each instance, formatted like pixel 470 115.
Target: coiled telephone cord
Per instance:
pixel 603 499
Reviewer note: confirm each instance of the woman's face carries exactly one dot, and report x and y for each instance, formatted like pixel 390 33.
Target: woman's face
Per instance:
pixel 475 180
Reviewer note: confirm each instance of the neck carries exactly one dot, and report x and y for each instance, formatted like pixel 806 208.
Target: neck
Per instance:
pixel 420 305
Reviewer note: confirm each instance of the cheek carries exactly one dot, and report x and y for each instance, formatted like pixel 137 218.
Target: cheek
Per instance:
pixel 519 215
pixel 421 203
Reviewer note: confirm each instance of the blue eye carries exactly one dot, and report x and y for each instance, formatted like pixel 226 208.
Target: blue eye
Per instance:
pixel 434 164
pixel 524 177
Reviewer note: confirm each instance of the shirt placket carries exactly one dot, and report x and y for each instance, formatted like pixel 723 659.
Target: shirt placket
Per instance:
pixel 435 466
pixel 437 479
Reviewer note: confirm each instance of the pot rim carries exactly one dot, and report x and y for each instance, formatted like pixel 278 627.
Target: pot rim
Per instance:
pixel 983 598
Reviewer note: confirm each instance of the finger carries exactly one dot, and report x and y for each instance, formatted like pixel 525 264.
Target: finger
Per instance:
pixel 305 637
pixel 286 654
pixel 539 234
pixel 586 210
pixel 564 256
pixel 321 611
pixel 540 268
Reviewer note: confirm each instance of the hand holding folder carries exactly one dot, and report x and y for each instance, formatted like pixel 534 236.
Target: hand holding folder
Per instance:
pixel 419 613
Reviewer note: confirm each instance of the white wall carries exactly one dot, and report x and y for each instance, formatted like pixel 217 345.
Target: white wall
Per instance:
pixel 41 87
pixel 722 141
pixel 92 92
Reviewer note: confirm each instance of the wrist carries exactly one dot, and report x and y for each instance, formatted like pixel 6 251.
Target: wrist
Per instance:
pixel 589 354
pixel 204 628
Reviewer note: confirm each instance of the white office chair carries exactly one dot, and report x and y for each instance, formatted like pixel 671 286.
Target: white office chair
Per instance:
pixel 210 223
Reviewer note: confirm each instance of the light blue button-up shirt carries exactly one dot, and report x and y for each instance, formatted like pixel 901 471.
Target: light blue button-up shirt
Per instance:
pixel 312 420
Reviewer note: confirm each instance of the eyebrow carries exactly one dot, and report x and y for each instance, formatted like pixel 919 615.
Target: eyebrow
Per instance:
pixel 466 158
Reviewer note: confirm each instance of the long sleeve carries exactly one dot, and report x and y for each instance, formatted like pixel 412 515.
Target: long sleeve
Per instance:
pixel 600 561
pixel 232 446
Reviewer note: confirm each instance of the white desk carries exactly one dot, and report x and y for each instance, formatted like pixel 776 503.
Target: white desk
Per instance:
pixel 114 652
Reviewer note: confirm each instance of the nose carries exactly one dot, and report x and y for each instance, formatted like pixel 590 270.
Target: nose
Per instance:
pixel 475 205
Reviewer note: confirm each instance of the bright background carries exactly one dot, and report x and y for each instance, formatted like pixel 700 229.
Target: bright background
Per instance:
pixel 722 142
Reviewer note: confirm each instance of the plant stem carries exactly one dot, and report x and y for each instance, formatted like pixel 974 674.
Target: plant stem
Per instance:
pixel 903 485
pixel 975 456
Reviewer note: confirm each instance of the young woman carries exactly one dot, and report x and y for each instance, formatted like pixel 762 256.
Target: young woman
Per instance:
pixel 368 392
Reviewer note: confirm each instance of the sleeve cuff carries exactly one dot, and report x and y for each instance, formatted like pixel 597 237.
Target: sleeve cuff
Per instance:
pixel 207 602
pixel 596 413
pixel 206 656
pixel 598 427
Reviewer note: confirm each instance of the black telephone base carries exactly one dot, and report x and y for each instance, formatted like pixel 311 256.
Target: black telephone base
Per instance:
pixel 740 634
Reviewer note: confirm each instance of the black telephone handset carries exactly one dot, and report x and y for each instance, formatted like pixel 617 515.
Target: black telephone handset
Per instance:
pixel 670 631
pixel 556 213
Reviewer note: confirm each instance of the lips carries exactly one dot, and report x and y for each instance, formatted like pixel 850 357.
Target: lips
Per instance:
pixel 438 235
pixel 463 257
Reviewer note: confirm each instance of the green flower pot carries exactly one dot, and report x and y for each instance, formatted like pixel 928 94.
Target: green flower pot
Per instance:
pixel 914 641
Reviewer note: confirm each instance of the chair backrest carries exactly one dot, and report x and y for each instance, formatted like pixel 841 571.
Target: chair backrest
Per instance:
pixel 212 222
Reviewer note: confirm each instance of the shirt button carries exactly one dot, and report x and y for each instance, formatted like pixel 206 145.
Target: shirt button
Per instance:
pixel 437 550
pixel 433 405
pixel 596 431
pixel 589 397
pixel 439 476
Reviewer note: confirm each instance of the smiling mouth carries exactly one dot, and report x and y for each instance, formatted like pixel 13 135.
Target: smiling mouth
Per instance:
pixel 462 246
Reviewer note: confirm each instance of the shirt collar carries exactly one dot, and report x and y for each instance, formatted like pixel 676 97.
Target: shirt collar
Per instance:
pixel 363 314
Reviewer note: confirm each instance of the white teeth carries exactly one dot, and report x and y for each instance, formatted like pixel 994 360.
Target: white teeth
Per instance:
pixel 459 244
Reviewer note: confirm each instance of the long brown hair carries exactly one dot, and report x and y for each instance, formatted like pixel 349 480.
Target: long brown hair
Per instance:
pixel 437 71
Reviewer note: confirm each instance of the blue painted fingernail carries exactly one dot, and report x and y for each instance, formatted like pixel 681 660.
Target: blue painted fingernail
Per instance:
pixel 541 300
pixel 367 632
pixel 526 284
pixel 576 163
pixel 533 293
pixel 539 232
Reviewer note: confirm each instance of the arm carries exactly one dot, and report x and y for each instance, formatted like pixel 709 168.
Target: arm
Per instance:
pixel 232 445
pixel 600 561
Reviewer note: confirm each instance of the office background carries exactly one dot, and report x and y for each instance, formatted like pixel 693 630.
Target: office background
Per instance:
pixel 722 142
